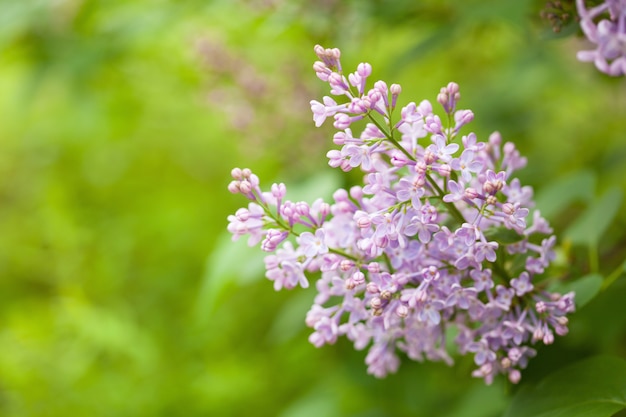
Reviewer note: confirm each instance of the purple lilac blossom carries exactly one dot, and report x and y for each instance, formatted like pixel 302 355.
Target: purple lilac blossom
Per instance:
pixel 605 26
pixel 415 249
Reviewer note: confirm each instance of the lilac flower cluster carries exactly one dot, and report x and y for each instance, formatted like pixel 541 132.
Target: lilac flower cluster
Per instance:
pixel 609 34
pixel 434 248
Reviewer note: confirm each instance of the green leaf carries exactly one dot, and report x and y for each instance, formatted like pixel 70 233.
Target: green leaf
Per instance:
pixel 502 235
pixel 231 263
pixel 481 400
pixel 290 320
pixel 321 185
pixel 552 199
pixel 591 225
pixel 594 387
pixel 586 288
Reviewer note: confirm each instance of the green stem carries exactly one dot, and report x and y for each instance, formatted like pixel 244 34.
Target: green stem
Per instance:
pixel 499 270
pixel 344 254
pixel 390 138
pixel 451 207
pixel 617 272
pixel 593 258
pixel 388 262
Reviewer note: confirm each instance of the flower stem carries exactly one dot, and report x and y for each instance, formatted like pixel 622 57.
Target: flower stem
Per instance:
pixel 451 207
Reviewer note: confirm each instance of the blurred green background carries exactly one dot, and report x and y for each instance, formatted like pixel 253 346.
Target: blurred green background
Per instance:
pixel 120 291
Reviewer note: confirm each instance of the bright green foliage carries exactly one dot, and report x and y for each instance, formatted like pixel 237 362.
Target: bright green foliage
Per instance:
pixel 592 387
pixel 120 291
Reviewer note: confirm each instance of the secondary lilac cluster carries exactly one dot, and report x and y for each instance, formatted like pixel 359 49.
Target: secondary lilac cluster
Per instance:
pixel 605 26
pixel 435 255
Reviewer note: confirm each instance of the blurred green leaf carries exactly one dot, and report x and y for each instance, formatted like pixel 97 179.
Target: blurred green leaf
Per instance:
pixel 231 263
pixel 591 225
pixel 320 401
pixel 502 235
pixel 290 319
pixel 592 387
pixel 556 195
pixel 320 185
pixel 586 288
pixel 481 401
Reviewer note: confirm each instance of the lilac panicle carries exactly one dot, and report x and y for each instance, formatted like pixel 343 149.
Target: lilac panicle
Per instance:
pixel 605 26
pixel 439 235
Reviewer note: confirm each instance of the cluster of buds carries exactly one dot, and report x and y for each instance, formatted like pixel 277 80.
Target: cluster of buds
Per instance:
pixel 559 13
pixel 605 26
pixel 437 254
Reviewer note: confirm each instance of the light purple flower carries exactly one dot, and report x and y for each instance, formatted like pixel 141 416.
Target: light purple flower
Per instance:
pixel 312 244
pixel 522 285
pixel 608 34
pixel 443 150
pixel 398 262
pixel 457 191
pixel 467 165
pixel 323 110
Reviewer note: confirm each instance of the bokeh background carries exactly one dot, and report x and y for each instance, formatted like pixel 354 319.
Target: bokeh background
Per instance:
pixel 121 293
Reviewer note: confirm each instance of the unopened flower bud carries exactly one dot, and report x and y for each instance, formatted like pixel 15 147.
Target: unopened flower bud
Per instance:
pixel 339 138
pixel 358 277
pixel 245 187
pixel 358 106
pixel 349 284
pixel 514 376
pixel 491 200
pixel 381 87
pixel 302 208
pixel 463 117
pixel 508 208
pixel 356 192
pixel 376 303
pixel 471 193
pixel 395 92
pixel 346 265
pixel 429 157
pixel 320 67
pixel 279 190
pixel 233 187
pixel 324 210
pixel 514 354
pixel 495 139
pixel 374 96
pixel 364 69
pixel 363 222
pixel 540 307
pixel 561 330
pixel 385 295
pixel 486 369
pixel 548 338
pixel 372 288
pixel 444 170
pixel 505 363
pixel 402 311
pixel 489 188
pixel 399 159
pixel 236 173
